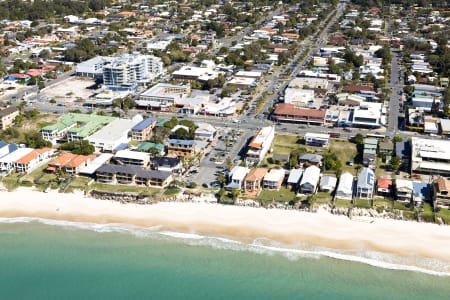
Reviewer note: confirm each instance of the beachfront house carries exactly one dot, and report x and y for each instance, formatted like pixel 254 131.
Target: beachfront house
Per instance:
pixel 422 193
pixel 384 187
pixel 404 190
pixel 129 174
pixel 294 178
pixel 273 179
pixel 33 159
pixel 365 184
pixel 345 186
pixel 69 163
pixel 237 177
pixel 254 180
pixel 328 183
pixel 310 179
pixel 441 192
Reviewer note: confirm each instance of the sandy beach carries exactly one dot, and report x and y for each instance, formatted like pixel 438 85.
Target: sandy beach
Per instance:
pixel 408 239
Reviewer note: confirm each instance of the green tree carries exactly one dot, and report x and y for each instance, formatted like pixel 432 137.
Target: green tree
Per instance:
pixel 395 163
pixel 34 139
pixel 81 147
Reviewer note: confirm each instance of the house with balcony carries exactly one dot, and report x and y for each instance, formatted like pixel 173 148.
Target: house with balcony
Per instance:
pixel 142 131
pixel 310 180
pixel 259 145
pixel 365 184
pixel 237 177
pixel 254 180
pixel 441 193
pixel 274 179
pixel 181 148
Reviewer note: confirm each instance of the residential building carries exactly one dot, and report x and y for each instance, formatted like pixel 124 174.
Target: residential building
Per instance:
pixel 73 126
pixel 237 177
pixel 309 159
pixel 31 160
pixel 386 149
pixel 317 139
pixel 142 131
pixel 69 163
pixel 327 183
pixel 92 68
pixel 181 148
pixel 285 112
pixel 422 193
pixel 310 179
pixel 6 148
pixel 90 169
pixel 128 71
pixel 129 157
pixel 404 190
pixel 294 178
pixel 167 164
pixel 128 174
pixel 441 191
pixel 430 156
pixel 365 184
pixel 370 151
pixel 273 179
pixel 205 132
pixel 259 145
pixel 7 116
pixel 384 187
pixel 115 135
pixel 7 162
pixel 254 180
pixel 155 149
pixel 345 187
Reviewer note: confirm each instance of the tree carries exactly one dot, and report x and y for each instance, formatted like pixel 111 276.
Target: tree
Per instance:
pixel 358 139
pixel 235 193
pixel 397 139
pixel 81 147
pixel 228 163
pixel 395 163
pixel 34 139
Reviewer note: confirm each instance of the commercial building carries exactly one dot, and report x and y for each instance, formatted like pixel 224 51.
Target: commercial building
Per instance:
pixel 430 156
pixel 368 114
pixel 285 112
pixel 205 131
pixel 298 97
pixel 162 96
pixel 7 116
pixel 260 145
pixel 114 135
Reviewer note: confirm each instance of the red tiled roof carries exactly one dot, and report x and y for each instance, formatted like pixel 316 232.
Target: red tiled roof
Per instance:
pixel 384 183
pixel 354 88
pixel 290 109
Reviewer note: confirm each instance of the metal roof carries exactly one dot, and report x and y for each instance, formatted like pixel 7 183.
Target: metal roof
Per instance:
pixel 144 124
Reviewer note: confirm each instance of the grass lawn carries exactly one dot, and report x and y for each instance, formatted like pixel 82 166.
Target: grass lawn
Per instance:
pixel 383 203
pixel 345 151
pixel 171 192
pixel 323 198
pixel 363 203
pixel 285 143
pixel 342 203
pixel 79 183
pixel 283 195
pixel 124 188
pixel 444 214
pixel 11 182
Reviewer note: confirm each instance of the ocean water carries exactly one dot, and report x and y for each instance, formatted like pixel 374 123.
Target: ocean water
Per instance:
pixel 56 260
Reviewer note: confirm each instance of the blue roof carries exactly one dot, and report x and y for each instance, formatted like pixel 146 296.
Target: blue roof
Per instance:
pixel 144 124
pixel 3 144
pixel 422 189
pixel 182 142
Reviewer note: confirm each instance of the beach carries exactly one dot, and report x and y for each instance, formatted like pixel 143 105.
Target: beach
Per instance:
pixel 290 227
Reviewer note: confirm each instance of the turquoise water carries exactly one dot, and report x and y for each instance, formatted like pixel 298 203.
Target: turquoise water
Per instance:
pixel 40 261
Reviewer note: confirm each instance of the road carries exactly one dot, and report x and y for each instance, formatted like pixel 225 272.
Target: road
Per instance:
pixel 396 87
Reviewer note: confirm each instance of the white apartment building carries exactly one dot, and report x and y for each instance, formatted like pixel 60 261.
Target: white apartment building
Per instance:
pixel 430 156
pixel 260 145
pixel 126 72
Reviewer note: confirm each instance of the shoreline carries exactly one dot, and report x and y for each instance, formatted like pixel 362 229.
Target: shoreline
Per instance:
pixel 410 240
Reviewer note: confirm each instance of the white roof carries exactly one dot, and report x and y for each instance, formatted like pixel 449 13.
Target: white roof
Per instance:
pixel 114 130
pixel 426 165
pixel 445 125
pixel 248 74
pixel 311 175
pixel 242 81
pixel 274 175
pixel 132 154
pixel 404 184
pixel 239 173
pixel 345 183
pixel 16 155
pixel 295 175
pixel 328 181
pixel 317 135
pixel 96 163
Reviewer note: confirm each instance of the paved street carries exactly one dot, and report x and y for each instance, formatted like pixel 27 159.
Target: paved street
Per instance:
pixel 396 87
